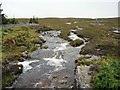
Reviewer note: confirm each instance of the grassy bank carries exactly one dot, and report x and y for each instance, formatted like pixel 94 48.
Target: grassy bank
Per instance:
pixel 64 34
pixel 102 41
pixel 108 74
pixel 19 39
pixel 105 72
pixel 15 41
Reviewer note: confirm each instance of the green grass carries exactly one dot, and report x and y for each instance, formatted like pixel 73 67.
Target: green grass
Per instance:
pixel 59 23
pixel 101 41
pixel 102 38
pixel 108 75
pixel 16 40
pixel 19 39
pixel 83 61
pixel 6 80
pixel 10 75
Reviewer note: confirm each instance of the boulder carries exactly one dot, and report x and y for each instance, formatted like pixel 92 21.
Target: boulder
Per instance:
pixel 9 73
pixel 12 68
pixel 25 54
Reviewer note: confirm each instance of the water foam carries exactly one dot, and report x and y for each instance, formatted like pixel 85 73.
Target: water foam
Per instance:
pixel 26 64
pixel 62 46
pixel 57 61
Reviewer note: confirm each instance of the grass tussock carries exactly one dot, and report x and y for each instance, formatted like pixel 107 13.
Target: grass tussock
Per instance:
pixel 64 34
pixel 76 43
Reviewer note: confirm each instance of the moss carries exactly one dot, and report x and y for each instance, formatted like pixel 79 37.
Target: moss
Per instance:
pixel 76 43
pixel 7 80
pixel 64 34
pixel 10 74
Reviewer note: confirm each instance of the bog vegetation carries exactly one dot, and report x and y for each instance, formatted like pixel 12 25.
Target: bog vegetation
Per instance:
pixel 102 41
pixel 16 40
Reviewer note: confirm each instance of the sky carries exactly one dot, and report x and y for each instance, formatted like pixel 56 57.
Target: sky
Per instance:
pixel 60 8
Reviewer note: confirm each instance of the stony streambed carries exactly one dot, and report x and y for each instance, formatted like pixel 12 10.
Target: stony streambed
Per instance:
pixel 53 67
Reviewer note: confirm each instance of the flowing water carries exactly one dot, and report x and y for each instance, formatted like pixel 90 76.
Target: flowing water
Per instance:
pixel 53 67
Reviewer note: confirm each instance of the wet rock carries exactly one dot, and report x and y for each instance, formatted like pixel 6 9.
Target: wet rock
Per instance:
pixel 24 54
pixel 9 73
pixel 76 62
pixel 38 45
pixel 82 77
pixel 66 76
pixel 13 57
pixel 38 42
pixel 63 81
pixel 54 77
pixel 72 87
pixel 21 59
pixel 17 69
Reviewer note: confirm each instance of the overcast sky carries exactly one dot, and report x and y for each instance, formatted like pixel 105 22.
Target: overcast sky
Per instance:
pixel 60 8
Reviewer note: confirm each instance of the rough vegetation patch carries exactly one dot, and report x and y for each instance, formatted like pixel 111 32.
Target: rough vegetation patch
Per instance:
pixel 76 43
pixel 15 41
pixel 64 34
pixel 107 75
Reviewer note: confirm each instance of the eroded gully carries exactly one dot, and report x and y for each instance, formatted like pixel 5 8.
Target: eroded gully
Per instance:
pixel 53 67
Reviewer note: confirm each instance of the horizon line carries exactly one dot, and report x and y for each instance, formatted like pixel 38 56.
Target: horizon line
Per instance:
pixel 65 17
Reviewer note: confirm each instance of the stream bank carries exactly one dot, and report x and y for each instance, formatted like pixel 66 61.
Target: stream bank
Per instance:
pixel 53 67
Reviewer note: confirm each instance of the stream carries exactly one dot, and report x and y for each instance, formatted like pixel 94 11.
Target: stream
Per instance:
pixel 53 67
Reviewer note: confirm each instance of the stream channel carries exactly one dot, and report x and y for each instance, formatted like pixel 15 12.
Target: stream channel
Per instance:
pixel 53 67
